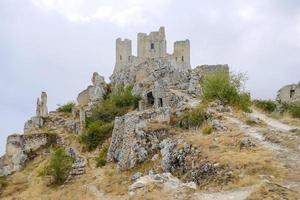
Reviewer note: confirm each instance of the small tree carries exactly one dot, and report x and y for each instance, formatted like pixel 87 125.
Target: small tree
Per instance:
pixel 59 166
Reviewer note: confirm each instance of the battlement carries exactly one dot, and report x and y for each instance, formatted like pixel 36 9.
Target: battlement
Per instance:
pixel 152 45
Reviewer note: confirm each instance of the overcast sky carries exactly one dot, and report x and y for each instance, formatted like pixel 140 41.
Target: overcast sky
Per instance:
pixel 56 45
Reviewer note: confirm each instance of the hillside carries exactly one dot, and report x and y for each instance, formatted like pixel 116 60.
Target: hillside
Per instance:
pixel 158 130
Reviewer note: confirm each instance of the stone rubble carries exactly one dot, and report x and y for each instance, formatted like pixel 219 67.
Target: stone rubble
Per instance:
pixel 167 180
pixel 78 167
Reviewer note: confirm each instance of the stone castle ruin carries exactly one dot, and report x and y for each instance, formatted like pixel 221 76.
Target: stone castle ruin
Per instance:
pixel 152 46
pixel 161 79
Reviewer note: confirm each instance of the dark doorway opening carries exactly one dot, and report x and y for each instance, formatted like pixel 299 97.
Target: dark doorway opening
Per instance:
pixel 160 102
pixel 150 98
pixel 152 46
pixel 292 93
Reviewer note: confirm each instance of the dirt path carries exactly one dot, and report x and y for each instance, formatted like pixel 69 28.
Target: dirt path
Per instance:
pixel 240 194
pixel 273 122
pixel 278 138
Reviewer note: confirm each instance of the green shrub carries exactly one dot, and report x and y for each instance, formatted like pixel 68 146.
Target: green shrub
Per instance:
pixel 191 118
pixel 66 108
pixel 59 166
pixel 99 125
pixel 266 105
pixel 96 133
pixel 123 97
pixel 207 129
pixel 227 88
pixel 101 160
pixel 294 110
pixel 3 182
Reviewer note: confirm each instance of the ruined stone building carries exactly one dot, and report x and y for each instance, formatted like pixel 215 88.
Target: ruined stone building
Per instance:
pixel 289 94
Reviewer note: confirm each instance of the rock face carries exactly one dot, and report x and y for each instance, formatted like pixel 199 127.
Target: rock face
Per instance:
pixel 133 138
pixel 289 94
pixel 54 122
pixel 20 148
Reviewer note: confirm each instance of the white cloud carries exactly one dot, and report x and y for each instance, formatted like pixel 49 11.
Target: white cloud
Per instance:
pixel 120 12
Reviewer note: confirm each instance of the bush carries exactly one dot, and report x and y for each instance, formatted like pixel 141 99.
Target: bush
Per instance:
pixel 294 110
pixel 66 108
pixel 96 133
pixel 3 182
pixel 123 97
pixel 227 88
pixel 191 118
pixel 266 105
pixel 207 129
pixel 59 166
pixel 101 160
pixel 100 125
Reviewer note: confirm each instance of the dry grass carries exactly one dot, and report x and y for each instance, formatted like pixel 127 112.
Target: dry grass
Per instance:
pixel 271 191
pixel 246 165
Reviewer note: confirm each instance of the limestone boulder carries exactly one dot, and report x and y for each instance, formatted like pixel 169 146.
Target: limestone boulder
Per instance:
pixel 134 139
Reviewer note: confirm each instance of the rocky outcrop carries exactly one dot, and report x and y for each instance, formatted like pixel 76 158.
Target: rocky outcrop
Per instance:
pixel 37 121
pixel 20 148
pixel 134 139
pixel 55 122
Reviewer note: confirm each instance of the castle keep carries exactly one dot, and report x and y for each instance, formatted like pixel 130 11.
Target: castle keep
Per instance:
pixel 152 46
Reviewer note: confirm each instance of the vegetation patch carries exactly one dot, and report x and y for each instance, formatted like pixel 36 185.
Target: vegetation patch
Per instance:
pixel 66 108
pixel 293 109
pixel 96 133
pixel 190 118
pixel 266 105
pixel 3 183
pixel 207 129
pixel 99 126
pixel 227 88
pixel 101 159
pixel 59 166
